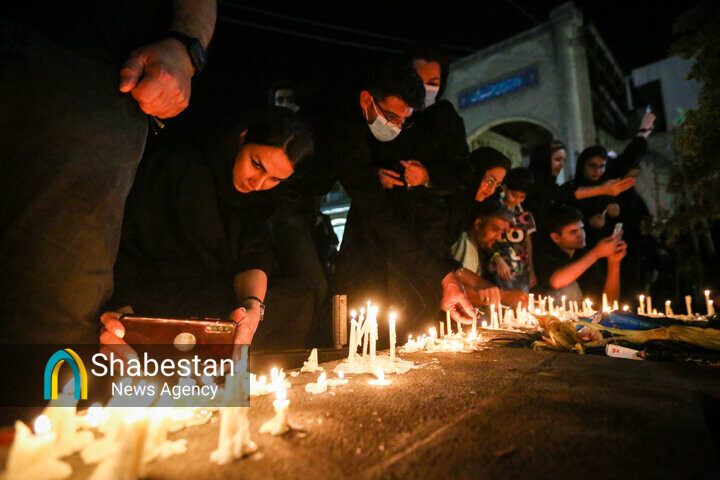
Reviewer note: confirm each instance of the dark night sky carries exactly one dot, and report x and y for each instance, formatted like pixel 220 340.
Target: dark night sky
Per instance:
pixel 245 59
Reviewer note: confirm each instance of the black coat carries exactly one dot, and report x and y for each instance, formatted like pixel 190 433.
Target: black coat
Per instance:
pixel 187 232
pixel 616 168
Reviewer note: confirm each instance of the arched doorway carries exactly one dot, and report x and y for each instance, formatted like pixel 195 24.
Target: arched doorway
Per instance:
pixel 514 137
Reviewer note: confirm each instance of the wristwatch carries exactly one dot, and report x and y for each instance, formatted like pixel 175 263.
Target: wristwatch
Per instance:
pixel 260 304
pixel 194 48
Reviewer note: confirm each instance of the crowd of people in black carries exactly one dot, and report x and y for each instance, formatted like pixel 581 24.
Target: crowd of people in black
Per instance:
pixel 227 223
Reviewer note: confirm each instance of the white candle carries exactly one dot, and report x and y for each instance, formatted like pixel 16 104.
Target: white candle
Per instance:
pixel 447 319
pixel 688 304
pixel 605 305
pixel 648 308
pixel 380 380
pixel 563 301
pixel 709 303
pixel 392 336
pixel 442 330
pixel 157 445
pixel 641 305
pixel 668 308
pixel 474 327
pixel 373 334
pixel 492 316
pixel 551 300
pixel 311 365
pixel 125 458
pixel 62 414
pixel 616 306
pixel 279 423
pixel 32 456
pixel 352 348
pixel 234 434
pixel 531 302
pixel 318 387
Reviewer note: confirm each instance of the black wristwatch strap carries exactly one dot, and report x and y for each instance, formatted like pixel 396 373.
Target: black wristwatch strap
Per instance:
pixel 194 48
pixel 260 304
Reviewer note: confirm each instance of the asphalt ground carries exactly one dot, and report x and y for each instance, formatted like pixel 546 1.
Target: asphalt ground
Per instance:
pixel 500 413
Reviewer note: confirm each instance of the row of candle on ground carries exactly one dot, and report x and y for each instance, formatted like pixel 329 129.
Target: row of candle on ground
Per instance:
pixel 135 436
pixel 645 306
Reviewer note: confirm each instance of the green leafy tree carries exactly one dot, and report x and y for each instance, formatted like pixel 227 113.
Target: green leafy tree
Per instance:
pixel 696 181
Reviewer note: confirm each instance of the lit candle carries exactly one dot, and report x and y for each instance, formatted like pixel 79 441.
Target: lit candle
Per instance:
pixel 447 319
pixel 563 301
pixel 442 330
pixel 474 327
pixel 531 302
pixel 492 316
pixel 616 306
pixel 279 423
pixel 709 303
pixel 551 300
pixel 336 382
pixel 688 304
pixel 641 305
pixel 392 336
pixel 668 309
pixel 380 380
pixel 648 308
pixel 605 306
pixel 433 332
pixel 626 308
pixel 32 456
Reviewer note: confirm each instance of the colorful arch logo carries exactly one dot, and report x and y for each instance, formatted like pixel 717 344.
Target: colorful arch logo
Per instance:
pixel 52 368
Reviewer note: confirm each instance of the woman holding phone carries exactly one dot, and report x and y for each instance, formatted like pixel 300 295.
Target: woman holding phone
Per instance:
pixel 195 239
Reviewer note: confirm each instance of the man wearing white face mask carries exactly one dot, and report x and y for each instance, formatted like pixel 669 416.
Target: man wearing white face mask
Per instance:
pixel 380 258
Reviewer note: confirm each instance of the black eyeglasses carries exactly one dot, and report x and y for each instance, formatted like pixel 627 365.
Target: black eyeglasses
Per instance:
pixel 404 124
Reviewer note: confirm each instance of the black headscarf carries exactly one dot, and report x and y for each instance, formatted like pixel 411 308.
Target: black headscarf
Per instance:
pixel 588 154
pixel 484 159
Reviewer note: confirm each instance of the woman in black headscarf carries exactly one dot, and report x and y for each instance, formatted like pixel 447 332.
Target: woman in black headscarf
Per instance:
pixel 546 163
pixel 595 168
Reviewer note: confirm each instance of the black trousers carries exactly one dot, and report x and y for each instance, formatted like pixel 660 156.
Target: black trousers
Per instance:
pixel 70 143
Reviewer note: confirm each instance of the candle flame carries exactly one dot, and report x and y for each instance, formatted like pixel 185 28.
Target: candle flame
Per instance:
pixel 626 308
pixel 393 316
pixel 433 332
pixel 262 380
pixel 280 393
pixel 42 425
pixel 353 314
pixel 707 292
pixel 380 374
pixel 667 302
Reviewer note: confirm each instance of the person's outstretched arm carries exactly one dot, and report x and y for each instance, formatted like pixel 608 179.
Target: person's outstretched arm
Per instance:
pixel 562 277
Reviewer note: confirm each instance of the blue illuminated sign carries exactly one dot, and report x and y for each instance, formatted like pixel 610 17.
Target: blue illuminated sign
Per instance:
pixel 502 87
